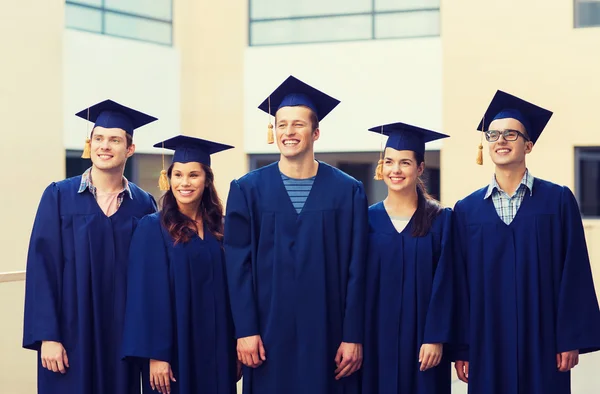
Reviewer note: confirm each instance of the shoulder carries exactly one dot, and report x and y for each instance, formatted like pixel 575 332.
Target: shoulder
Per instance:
pixel 339 176
pixel 254 177
pixel 67 184
pixel 149 221
pixel 139 193
pixel 473 198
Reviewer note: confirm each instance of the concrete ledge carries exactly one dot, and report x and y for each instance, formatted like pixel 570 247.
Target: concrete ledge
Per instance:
pixel 15 276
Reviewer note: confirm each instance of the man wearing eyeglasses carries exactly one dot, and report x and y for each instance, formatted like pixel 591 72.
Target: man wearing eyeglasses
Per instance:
pixel 522 259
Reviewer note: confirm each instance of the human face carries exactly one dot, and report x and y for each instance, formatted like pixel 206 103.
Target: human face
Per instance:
pixel 188 181
pixel 509 154
pixel 109 150
pixel 295 135
pixel 401 170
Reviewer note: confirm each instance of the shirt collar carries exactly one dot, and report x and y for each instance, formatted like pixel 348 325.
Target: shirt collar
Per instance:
pixel 526 182
pixel 86 183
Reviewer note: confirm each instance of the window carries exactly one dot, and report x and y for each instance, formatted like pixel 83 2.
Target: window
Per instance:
pixel 309 21
pixel 142 169
pixel 75 165
pixel 587 180
pixel 361 166
pixel 587 13
pixel 150 21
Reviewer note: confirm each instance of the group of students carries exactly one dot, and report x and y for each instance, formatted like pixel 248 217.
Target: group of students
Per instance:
pixel 303 288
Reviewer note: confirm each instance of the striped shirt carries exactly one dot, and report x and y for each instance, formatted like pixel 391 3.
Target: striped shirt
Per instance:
pixel 298 190
pixel 507 206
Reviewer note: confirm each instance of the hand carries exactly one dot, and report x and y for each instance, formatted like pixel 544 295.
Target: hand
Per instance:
pixel 251 351
pixel 348 359
pixel 239 371
pixel 565 361
pixel 54 357
pixel 161 376
pixel 462 370
pixel 430 355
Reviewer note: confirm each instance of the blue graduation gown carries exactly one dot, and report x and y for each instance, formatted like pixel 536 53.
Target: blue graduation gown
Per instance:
pixel 178 309
pixel 75 287
pixel 409 303
pixel 297 279
pixel 530 288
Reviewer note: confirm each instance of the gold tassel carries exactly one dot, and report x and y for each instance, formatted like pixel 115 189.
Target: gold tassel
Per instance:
pixel 270 138
pixel 480 154
pixel 87 149
pixel 163 181
pixel 379 171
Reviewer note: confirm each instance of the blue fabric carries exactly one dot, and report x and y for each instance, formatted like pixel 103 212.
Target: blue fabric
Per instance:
pixel 191 149
pixel 530 289
pixel 110 114
pixel 293 92
pixel 178 309
pixel 297 279
pixel 76 286
pixel 408 303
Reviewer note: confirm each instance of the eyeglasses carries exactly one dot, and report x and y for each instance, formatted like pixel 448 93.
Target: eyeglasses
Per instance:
pixel 508 135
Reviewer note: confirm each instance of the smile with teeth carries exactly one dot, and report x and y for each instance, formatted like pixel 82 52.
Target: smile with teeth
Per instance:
pixel 502 150
pixel 396 178
pixel 290 142
pixel 185 192
pixel 104 156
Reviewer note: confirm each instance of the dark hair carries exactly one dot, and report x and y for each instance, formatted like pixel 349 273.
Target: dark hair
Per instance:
pixel 314 120
pixel 428 208
pixel 179 225
pixel 128 137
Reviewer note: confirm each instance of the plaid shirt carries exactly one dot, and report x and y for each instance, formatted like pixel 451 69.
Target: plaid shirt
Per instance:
pixel 507 206
pixel 86 183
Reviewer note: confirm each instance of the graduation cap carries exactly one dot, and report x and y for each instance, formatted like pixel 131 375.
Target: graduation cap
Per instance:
pixel 188 149
pixel 402 136
pixel 293 92
pixel 110 114
pixel 533 118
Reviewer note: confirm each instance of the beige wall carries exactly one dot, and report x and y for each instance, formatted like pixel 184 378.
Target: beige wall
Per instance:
pixel 211 37
pixel 530 49
pixel 31 112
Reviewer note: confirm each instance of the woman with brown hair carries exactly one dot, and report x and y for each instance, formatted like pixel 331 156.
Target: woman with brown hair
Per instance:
pixel 178 316
pixel 409 275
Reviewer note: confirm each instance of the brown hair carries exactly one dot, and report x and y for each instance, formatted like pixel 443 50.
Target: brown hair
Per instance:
pixel 179 225
pixel 428 208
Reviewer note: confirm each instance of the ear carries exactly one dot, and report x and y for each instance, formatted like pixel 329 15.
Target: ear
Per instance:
pixel 421 169
pixel 316 134
pixel 528 147
pixel 130 150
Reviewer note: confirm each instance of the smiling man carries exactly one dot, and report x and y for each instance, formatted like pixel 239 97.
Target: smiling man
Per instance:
pixel 295 242
pixel 77 264
pixel 532 306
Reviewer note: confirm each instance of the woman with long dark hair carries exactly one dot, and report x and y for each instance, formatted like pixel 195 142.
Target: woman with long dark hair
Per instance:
pixel 178 315
pixel 409 279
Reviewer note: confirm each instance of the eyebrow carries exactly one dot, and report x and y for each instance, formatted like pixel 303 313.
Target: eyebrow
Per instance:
pixel 402 159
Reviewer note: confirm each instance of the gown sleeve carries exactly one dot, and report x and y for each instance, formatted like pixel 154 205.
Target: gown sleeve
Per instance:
pixel 238 260
pixel 438 324
pixel 148 330
pixel 353 330
pixel 578 317
pixel 43 279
